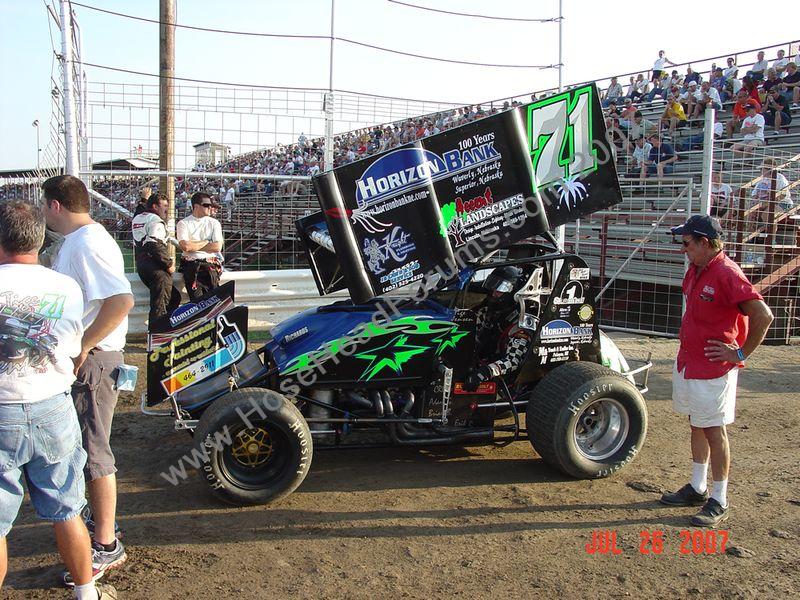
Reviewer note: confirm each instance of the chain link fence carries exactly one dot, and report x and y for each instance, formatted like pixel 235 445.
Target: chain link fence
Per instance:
pixel 755 194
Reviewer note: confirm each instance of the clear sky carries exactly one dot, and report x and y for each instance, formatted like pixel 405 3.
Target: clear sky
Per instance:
pixel 600 39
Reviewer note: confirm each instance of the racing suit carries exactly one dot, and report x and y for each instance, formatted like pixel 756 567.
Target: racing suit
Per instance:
pixel 153 263
pixel 504 340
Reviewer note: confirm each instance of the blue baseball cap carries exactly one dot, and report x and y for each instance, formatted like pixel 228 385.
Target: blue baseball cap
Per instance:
pixel 700 225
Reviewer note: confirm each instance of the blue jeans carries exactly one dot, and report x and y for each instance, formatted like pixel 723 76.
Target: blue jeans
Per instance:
pixel 41 440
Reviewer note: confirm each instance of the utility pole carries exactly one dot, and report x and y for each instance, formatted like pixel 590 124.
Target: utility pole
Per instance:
pixel 329 103
pixel 561 230
pixel 70 122
pixel 166 120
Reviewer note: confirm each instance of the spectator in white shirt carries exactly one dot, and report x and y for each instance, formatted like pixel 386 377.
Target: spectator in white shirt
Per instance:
pixel 641 151
pixel 659 64
pixel 759 68
pixel 753 130
pixel 200 238
pixel 92 257
pixel 690 98
pixel 731 71
pixel 614 92
pixel 721 194
pixel 709 97
pixel 780 63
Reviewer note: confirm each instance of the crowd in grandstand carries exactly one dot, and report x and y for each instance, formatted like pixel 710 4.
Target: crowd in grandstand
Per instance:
pixel 759 98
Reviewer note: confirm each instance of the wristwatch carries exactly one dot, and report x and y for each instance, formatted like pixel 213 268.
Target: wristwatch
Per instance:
pixel 740 354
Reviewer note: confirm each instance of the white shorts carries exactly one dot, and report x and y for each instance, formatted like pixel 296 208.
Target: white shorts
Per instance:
pixel 708 402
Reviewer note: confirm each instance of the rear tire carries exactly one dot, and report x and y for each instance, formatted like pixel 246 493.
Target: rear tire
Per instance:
pixel 257 444
pixel 586 420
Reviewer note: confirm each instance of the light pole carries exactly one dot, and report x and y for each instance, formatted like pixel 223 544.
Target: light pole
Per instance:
pixel 35 124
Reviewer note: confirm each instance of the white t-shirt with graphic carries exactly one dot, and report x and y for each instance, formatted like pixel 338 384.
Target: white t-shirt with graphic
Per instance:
pixel 92 258
pixel 758 121
pixel 41 328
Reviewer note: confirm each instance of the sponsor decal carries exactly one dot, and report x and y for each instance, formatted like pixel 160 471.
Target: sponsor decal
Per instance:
pixel 579 274
pixel 394 247
pixel 409 168
pixel 571 192
pixel 585 313
pixel 289 337
pixel 467 220
pixel 186 311
pixel 551 354
pixel 214 352
pixel 487 387
pixel 559 328
pixel 572 293
pixel 402 275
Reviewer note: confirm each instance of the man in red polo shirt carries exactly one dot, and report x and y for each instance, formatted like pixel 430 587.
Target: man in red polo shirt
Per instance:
pixel 726 319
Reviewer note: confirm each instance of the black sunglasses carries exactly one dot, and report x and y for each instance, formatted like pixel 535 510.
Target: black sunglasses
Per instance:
pixel 206 205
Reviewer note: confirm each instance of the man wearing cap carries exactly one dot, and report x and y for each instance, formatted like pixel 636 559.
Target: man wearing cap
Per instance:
pixel 200 238
pixel 725 320
pixel 708 97
pixel 753 130
pixel 739 112
pixel 690 97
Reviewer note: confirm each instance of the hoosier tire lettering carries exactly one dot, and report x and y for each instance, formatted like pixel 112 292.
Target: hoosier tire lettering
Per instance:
pixel 264 451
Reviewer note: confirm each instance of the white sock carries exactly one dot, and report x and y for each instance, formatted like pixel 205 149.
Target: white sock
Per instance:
pixel 87 591
pixel 719 492
pixel 699 475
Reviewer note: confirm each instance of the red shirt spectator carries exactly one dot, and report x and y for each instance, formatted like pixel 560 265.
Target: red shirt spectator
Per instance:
pixel 713 295
pixel 739 109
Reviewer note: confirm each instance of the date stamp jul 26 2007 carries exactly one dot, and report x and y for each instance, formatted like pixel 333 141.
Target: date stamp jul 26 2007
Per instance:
pixel 691 541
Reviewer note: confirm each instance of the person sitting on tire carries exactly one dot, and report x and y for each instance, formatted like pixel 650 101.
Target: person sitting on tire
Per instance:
pixel 498 332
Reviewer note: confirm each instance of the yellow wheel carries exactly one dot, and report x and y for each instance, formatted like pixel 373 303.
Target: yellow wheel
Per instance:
pixel 252 447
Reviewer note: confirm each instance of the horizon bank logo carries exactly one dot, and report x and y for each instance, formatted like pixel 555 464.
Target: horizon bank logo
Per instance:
pixel 408 168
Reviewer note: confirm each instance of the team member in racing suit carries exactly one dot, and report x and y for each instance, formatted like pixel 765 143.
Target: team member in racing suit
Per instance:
pixel 153 263
pixel 498 332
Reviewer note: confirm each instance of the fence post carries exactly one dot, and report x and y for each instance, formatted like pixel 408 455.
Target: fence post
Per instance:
pixel 708 162
pixel 771 224
pixel 327 159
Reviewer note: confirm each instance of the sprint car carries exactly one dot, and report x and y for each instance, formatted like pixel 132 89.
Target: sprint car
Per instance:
pixel 391 372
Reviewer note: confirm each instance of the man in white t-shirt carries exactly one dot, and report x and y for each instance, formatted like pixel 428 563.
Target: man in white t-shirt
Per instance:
pixel 780 63
pixel 659 64
pixel 200 238
pixel 92 258
pixel 758 69
pixel 228 201
pixel 753 130
pixel 41 326
pixel 721 195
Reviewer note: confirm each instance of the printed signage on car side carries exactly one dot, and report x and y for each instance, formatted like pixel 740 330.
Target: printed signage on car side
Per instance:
pixel 579 274
pixel 560 329
pixel 393 247
pixel 571 293
pixel 408 168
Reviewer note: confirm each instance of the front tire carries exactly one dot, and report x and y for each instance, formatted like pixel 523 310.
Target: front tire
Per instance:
pixel 257 445
pixel 586 420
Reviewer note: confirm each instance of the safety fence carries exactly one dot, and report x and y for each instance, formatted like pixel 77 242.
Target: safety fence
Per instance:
pixel 635 264
pixel 756 195
pixel 270 296
pixel 257 218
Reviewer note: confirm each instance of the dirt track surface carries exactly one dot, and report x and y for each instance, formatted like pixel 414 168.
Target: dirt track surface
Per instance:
pixel 477 522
